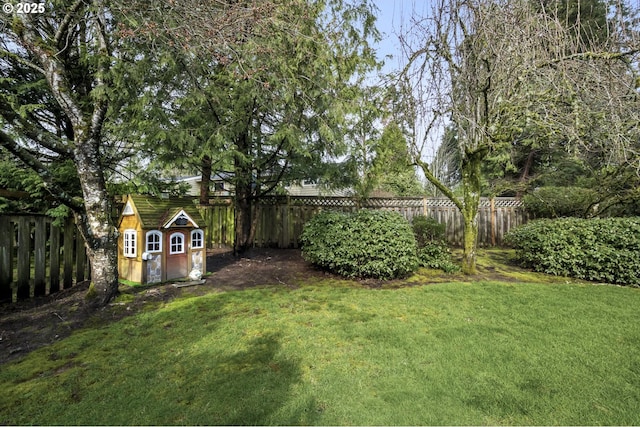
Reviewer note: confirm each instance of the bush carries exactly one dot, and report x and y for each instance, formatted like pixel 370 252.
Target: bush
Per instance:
pixel 606 250
pixel 438 256
pixel 427 230
pixel 433 249
pixel 375 244
pixel 557 202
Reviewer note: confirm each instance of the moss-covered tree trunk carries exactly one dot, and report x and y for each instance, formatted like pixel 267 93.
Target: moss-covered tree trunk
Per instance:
pixel 471 189
pixel 470 238
pixel 470 203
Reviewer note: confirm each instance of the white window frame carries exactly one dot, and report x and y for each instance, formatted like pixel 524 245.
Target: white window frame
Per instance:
pixel 130 243
pixel 199 239
pixel 171 244
pixel 148 242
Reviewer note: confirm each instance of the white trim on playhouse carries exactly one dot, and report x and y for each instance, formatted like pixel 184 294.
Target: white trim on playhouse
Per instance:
pixel 128 209
pixel 180 215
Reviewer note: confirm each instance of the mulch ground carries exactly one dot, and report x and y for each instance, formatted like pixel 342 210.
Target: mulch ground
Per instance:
pixel 28 325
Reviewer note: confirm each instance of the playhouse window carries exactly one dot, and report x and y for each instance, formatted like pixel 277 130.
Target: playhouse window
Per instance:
pixel 177 243
pixel 197 239
pixel 130 243
pixel 154 241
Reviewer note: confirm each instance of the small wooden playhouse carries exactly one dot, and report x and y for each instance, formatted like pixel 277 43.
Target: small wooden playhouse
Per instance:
pixel 160 239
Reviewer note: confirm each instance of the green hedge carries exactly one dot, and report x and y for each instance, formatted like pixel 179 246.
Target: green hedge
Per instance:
pixel 606 250
pixel 375 244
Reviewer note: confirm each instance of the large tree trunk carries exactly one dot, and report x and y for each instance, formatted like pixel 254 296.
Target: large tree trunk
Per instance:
pixel 206 180
pixel 470 238
pixel 471 188
pixel 244 195
pixel 85 108
pixel 96 224
pixel 102 252
pixel 243 207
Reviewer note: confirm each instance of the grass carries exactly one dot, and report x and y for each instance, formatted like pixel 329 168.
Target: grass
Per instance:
pixel 333 352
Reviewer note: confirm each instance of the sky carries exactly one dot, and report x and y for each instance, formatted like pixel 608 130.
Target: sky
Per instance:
pixel 393 17
pixel 390 15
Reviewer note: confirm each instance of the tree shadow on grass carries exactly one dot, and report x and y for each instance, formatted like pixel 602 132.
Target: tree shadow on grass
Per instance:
pixel 250 387
pixel 252 381
pixel 187 364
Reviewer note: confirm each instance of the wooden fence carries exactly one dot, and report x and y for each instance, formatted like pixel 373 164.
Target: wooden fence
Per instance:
pixel 39 258
pixel 281 218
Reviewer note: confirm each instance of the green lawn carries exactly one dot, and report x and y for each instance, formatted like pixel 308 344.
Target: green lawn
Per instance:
pixel 333 352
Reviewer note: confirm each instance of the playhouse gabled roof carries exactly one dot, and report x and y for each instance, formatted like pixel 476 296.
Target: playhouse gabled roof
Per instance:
pixel 155 212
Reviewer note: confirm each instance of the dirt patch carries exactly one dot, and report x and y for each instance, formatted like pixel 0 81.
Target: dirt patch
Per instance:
pixel 28 325
pixel 258 267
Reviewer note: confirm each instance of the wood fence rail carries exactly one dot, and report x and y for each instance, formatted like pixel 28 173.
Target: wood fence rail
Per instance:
pixel 39 258
pixel 281 218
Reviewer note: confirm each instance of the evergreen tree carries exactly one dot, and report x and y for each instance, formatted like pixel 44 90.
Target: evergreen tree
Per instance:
pixel 393 164
pixel 270 106
pixel 72 73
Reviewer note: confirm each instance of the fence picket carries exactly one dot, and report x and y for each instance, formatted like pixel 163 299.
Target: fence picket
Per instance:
pixel 81 261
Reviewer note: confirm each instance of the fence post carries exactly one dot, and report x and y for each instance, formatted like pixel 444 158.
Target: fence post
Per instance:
pixel 492 213
pixel 286 222
pixel 6 259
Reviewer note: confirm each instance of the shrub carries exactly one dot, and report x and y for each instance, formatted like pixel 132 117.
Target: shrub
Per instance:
pixel 556 202
pixel 605 250
pixel 427 229
pixel 433 249
pixel 375 244
pixel 437 255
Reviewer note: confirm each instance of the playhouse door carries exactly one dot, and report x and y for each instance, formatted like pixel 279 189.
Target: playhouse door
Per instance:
pixel 176 255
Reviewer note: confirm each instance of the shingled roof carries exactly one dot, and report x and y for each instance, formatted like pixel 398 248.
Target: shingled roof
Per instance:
pixel 154 212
